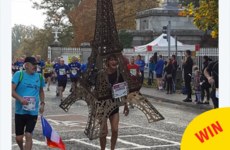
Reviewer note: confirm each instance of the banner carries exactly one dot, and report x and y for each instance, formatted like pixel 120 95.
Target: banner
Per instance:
pixel 70 57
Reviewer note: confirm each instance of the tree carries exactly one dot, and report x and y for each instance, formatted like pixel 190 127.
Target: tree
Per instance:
pixel 20 32
pixel 83 17
pixel 61 8
pixel 125 38
pixel 186 2
pixel 205 16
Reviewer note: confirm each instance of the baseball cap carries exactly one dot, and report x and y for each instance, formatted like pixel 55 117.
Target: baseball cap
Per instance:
pixel 31 60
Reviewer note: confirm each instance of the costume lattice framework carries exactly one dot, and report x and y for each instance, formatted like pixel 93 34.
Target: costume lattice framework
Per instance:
pixel 93 86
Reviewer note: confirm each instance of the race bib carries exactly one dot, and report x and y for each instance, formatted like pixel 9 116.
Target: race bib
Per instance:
pixel 74 72
pixel 133 72
pixel 31 103
pixel 119 90
pixel 48 69
pixel 217 93
pixel 61 72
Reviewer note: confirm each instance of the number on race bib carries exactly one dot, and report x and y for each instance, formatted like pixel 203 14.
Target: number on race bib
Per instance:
pixel 31 103
pixel 61 71
pixel 133 72
pixel 120 90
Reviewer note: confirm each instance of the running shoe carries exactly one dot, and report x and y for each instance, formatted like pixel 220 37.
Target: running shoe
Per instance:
pixel 187 100
pixel 206 102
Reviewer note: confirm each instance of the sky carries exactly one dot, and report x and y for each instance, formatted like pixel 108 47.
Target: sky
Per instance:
pixel 23 13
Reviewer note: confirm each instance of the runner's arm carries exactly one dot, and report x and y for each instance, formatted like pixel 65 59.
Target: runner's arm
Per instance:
pixel 42 95
pixel 16 96
pixel 42 100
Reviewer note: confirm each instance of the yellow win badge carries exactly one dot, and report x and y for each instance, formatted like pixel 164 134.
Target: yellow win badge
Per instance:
pixel 208 131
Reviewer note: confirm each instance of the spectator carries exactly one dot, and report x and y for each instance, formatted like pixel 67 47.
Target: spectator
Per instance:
pixel 214 69
pixel 204 81
pixel 195 68
pixel 159 68
pixel 164 75
pixel 197 86
pixel 151 66
pixel 174 73
pixel 141 64
pixel 187 65
pixel 155 57
pixel 169 69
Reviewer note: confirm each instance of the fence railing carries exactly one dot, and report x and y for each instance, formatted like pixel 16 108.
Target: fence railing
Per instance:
pixel 71 50
pixel 213 53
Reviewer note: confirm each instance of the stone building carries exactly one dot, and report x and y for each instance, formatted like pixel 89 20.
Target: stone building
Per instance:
pixel 150 23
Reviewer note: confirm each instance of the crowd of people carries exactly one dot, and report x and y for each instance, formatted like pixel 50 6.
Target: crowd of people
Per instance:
pixel 31 75
pixel 166 70
pixel 55 71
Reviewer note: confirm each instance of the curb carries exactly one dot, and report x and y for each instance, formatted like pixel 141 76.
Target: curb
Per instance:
pixel 155 98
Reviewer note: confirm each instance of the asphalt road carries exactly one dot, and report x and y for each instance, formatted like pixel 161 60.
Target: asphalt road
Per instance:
pixel 134 130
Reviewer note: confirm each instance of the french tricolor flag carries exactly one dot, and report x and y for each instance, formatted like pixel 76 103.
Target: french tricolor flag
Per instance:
pixel 52 138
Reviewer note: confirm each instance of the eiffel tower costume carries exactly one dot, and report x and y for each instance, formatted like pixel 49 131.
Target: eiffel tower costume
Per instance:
pixel 93 86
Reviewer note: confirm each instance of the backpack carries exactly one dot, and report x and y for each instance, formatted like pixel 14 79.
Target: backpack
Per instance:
pixel 21 76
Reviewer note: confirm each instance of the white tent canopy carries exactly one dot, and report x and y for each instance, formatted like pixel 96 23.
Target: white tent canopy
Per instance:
pixel 161 44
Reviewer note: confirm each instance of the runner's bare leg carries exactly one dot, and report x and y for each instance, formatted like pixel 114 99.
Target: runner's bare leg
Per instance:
pixel 19 140
pixel 29 141
pixel 114 120
pixel 103 139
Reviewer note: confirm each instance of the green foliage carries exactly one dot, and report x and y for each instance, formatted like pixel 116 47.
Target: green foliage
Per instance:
pixel 186 2
pixel 125 38
pixel 205 16
pixel 19 33
pixel 62 9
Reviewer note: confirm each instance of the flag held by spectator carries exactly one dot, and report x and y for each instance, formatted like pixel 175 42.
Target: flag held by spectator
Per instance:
pixel 52 138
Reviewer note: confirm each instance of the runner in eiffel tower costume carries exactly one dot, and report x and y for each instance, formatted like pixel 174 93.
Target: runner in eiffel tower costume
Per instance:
pixel 94 86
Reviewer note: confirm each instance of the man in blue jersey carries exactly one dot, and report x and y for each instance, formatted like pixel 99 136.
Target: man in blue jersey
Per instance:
pixel 159 68
pixel 55 75
pixel 74 67
pixel 61 72
pixel 141 64
pixel 27 89
pixel 84 66
pixel 41 65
